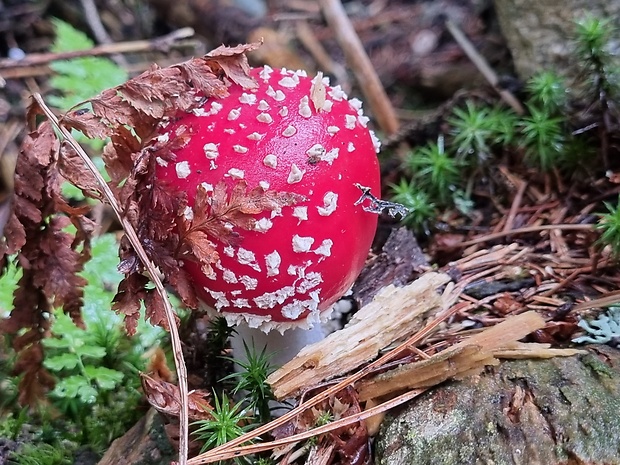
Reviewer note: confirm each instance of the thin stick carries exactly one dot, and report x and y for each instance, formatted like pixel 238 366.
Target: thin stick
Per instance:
pixel 135 243
pixel 308 39
pixel 159 43
pixel 483 66
pixel 529 229
pixel 359 62
pixel 96 26
pixel 516 203
pixel 342 422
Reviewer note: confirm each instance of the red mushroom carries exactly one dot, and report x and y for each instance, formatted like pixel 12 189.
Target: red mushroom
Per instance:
pixel 290 134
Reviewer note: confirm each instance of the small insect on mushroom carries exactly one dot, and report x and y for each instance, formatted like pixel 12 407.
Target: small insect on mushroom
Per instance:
pixel 290 136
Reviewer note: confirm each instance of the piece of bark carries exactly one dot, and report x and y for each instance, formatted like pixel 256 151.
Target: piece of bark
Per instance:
pixel 393 314
pixel 467 357
pixel 146 443
pixel 400 258
pixel 556 411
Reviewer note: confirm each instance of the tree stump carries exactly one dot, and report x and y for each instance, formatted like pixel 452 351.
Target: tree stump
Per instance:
pixel 554 411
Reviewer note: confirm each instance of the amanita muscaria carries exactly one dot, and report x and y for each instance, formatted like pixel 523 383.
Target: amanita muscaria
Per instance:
pixel 292 134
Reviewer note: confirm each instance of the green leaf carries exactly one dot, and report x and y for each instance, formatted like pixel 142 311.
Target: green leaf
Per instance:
pixel 57 343
pixel 8 284
pixel 106 378
pixel 81 78
pixel 68 38
pixel 90 352
pixel 76 387
pixel 62 362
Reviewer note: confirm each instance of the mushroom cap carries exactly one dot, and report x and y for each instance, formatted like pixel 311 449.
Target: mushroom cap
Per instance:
pixel 290 134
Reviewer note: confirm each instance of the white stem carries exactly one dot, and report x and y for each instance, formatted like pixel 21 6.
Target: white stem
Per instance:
pixel 280 347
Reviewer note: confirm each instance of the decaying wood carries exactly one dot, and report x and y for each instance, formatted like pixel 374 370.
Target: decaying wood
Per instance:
pixel 467 357
pixel 393 314
pixel 529 350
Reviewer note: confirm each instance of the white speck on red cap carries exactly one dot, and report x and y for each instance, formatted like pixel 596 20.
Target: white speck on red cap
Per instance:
pixel 337 93
pixel 264 185
pixel 265 73
pixel 300 213
pixel 264 118
pixel 241 303
pixel 375 141
pixel 182 169
pixel 273 261
pixel 356 103
pixel 229 131
pixel 263 105
pixel 350 147
pixel 327 106
pixel 163 138
pixel 302 244
pixel 229 251
pixel 289 131
pixel 200 112
pixel 247 257
pixel 229 276
pixel 255 136
pixel 330 156
pixel 325 248
pixel 240 149
pixel 293 310
pixel 215 107
pixel 317 150
pixel 161 162
pixel 270 299
pixel 248 282
pixel 234 114
pixel 219 297
pixel 363 120
pixel 263 225
pixel 188 213
pixel 310 280
pixel 332 130
pixel 330 202
pixel 248 99
pixel 236 173
pixel 304 107
pixel 271 161
pixel 211 150
pixel 283 112
pixel 206 186
pixel 350 121
pixel 295 175
pixel 289 82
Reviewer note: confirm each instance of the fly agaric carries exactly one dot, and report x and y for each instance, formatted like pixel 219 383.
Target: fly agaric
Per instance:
pixel 292 134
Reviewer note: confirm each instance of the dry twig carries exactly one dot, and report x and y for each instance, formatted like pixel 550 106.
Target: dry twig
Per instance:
pixel 360 64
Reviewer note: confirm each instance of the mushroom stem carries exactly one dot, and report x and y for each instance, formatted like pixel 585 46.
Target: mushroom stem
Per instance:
pixel 280 348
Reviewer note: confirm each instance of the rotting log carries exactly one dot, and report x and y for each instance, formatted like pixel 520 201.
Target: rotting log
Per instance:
pixel 558 410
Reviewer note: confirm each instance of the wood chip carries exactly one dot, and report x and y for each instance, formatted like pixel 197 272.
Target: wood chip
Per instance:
pixel 393 314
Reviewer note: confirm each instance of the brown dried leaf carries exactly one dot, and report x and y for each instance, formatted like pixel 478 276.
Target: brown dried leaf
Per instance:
pixel 199 72
pixel 233 63
pixel 73 170
pixel 131 292
pixel 87 123
pixel 156 311
pixel 164 397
